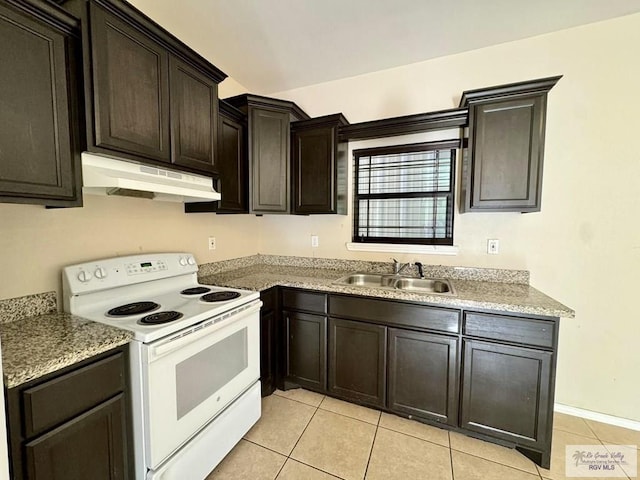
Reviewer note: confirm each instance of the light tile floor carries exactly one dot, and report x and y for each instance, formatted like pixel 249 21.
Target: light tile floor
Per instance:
pixel 303 435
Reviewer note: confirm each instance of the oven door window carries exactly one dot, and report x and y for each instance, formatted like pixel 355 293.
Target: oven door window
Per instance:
pixel 202 375
pixel 189 381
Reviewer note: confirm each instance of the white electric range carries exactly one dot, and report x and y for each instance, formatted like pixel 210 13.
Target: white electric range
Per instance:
pixel 194 359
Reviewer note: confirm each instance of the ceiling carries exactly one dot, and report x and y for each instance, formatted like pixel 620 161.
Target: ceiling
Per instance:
pixel 275 45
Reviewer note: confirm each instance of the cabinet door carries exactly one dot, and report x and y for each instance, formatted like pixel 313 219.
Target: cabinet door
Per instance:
pixel 268 342
pixel 306 350
pixel 130 88
pixel 423 375
pixel 314 170
pixel 39 153
pixel 357 361
pixel 506 392
pixel 507 143
pixel 89 446
pixel 232 161
pixel 269 160
pixel 194 117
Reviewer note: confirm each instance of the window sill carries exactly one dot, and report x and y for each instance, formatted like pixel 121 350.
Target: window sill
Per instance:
pixel 400 248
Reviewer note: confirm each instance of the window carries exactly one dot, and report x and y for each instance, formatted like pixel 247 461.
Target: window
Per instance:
pixel 404 194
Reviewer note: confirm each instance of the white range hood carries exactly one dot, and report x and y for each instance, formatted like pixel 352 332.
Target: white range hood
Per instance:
pixel 109 176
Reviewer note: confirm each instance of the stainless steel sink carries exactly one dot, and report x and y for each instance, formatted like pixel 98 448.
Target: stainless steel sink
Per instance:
pixel 397 282
pixel 362 280
pixel 428 285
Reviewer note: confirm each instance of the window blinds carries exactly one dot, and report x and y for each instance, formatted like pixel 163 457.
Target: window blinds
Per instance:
pixel 405 195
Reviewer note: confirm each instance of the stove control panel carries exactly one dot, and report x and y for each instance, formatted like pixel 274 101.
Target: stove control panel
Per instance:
pixel 145 267
pixel 121 271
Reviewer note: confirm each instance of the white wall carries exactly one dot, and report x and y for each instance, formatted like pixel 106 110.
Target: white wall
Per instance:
pixel 584 247
pixel 584 243
pixel 35 243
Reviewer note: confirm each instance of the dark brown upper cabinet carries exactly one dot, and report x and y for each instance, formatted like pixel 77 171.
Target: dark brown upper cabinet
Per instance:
pixel 232 164
pixel 130 88
pixel 40 135
pixel 149 97
pixel 269 154
pixel 194 117
pixel 268 147
pixel 319 166
pixel 232 160
pixel 502 166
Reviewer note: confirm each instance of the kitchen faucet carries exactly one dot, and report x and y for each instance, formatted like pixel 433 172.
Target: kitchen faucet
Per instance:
pixel 399 267
pixel 420 270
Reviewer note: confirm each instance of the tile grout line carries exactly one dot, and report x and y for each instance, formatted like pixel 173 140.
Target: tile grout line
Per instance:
pixel 299 401
pixel 591 429
pixel 287 457
pixel 266 448
pixel 298 441
pixel 497 463
pixel 302 433
pixel 418 438
pixel 559 429
pixel 316 468
pixel 281 468
pixel 375 434
pixel 378 426
pixel 453 477
pixel 352 418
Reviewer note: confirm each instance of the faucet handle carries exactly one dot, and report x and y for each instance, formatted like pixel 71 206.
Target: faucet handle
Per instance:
pixel 396 266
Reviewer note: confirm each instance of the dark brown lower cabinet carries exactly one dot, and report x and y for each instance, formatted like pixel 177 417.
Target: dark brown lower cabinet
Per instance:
pixel 73 424
pixel 357 361
pixel 486 374
pixel 423 375
pixel 89 446
pixel 506 393
pixel 305 355
pixel 268 342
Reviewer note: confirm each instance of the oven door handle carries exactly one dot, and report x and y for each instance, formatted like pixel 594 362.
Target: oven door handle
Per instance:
pixel 197 332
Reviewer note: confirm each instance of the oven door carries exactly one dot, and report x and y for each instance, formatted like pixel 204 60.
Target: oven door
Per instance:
pixel 192 376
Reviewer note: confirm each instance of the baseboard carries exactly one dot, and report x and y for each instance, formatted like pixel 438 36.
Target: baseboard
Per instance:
pixel 597 416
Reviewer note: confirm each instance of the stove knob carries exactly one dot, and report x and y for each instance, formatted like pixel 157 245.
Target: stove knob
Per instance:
pixel 191 261
pixel 84 276
pixel 183 261
pixel 100 273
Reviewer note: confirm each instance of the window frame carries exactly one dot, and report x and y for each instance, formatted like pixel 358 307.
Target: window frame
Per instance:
pixel 452 145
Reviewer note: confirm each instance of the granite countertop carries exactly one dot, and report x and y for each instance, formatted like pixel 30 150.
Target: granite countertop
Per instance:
pixel 37 345
pixel 481 294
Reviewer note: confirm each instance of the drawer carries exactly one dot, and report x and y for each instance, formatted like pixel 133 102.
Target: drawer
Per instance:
pixel 306 301
pixel 268 298
pixel 526 331
pixel 393 313
pixel 58 400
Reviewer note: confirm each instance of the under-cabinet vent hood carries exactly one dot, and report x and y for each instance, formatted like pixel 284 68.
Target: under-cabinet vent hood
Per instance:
pixel 109 176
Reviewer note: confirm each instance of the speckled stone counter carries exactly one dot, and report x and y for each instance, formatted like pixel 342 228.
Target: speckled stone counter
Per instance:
pixel 35 346
pixel 492 294
pixel 37 304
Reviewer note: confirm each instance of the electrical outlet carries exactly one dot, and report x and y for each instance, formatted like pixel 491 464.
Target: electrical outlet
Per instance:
pixel 212 243
pixel 493 246
pixel 314 241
